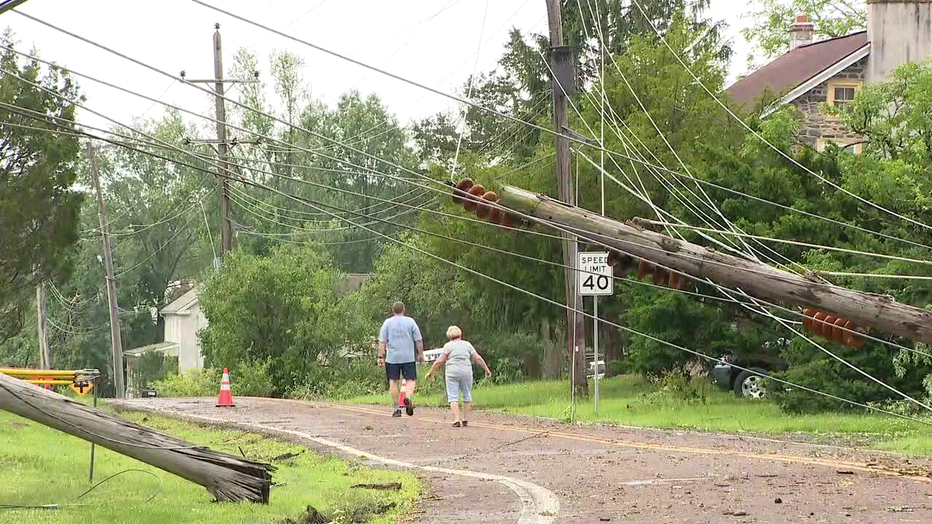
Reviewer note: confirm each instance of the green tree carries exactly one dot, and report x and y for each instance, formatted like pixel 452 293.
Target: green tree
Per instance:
pixel 770 20
pixel 39 204
pixel 282 310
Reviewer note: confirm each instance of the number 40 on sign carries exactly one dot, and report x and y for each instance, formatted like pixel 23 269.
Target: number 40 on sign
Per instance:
pixel 595 275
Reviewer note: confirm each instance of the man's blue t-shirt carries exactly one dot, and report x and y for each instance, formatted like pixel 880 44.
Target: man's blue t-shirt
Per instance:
pixel 400 333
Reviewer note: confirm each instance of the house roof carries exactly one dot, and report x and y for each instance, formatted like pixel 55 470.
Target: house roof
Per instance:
pixel 799 66
pixel 182 303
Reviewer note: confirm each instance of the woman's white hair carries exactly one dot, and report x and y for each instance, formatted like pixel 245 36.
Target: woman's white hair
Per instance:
pixel 453 332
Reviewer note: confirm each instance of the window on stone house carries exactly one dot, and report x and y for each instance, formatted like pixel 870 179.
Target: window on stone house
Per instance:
pixel 850 145
pixel 842 92
pixel 842 95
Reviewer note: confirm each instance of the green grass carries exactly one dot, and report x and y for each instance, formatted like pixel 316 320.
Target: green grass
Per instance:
pixel 633 401
pixel 43 466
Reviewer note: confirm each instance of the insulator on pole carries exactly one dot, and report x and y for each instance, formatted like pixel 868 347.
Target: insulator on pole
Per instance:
pixel 644 268
pixel 461 190
pixel 471 201
pixel 483 208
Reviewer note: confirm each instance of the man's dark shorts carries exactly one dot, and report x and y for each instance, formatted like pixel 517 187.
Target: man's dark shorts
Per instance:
pixel 396 371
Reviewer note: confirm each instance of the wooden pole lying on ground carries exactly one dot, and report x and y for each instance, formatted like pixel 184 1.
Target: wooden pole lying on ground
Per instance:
pixel 227 477
pixel 756 279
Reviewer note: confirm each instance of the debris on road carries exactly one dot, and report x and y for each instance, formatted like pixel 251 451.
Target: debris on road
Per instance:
pixel 391 486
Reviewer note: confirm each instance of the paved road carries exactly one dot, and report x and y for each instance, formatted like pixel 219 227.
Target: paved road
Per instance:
pixel 515 469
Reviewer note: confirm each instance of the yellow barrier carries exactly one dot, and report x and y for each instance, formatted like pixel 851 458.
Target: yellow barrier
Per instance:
pixel 41 373
pixel 50 382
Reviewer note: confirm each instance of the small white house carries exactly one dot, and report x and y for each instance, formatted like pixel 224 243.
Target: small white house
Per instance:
pixel 183 322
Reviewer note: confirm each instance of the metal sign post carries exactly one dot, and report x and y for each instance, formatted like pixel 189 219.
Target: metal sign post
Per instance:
pixel 595 279
pixel 94 382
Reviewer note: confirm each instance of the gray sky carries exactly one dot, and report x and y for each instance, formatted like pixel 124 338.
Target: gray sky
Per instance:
pixel 432 41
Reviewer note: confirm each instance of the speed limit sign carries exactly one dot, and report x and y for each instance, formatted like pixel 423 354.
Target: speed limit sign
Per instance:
pixel 594 277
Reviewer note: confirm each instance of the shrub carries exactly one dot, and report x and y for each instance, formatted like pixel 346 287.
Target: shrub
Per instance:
pixel 191 383
pixel 252 380
pixel 814 369
pixel 281 313
pixel 151 367
pixel 680 320
pixel 617 368
pixel 245 380
pixel 679 386
pixel 513 357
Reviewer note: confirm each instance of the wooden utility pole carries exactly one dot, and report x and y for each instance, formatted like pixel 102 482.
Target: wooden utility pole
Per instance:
pixel 222 142
pixel 575 323
pixel 116 341
pixel 226 207
pixel 45 358
pixel 758 280
pixel 226 477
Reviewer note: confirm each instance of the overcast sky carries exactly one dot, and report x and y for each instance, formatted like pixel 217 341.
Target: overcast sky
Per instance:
pixel 431 41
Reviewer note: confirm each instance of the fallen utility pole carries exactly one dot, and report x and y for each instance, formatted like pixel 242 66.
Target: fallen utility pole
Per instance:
pixel 227 477
pixel 756 279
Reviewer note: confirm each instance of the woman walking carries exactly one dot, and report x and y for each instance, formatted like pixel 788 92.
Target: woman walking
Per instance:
pixel 458 356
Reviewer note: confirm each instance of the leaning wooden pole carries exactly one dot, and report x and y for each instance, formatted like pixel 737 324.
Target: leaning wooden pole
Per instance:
pixel 756 279
pixel 226 477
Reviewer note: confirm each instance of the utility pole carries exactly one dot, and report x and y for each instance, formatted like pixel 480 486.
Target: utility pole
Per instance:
pixel 757 279
pixel 561 61
pixel 226 207
pixel 45 358
pixel 116 341
pixel 222 143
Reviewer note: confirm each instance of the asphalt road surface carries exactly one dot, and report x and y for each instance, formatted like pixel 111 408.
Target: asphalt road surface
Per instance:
pixel 504 469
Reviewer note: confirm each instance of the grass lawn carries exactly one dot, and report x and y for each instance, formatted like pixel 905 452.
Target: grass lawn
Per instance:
pixel 633 401
pixel 43 466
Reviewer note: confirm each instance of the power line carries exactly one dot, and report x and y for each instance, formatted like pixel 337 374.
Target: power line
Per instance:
pixel 556 303
pixel 794 243
pixel 758 135
pixel 160 248
pixel 260 185
pixel 405 169
pixel 479 106
pixel 585 234
pixel 389 237
pixel 472 82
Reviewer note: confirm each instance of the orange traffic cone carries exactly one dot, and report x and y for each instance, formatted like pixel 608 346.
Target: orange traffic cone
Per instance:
pixel 226 396
pixel 402 395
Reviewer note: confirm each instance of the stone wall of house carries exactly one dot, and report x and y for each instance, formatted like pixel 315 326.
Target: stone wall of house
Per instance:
pixel 817 123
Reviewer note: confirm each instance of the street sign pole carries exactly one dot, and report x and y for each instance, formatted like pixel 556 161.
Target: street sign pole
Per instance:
pixel 595 348
pixel 595 279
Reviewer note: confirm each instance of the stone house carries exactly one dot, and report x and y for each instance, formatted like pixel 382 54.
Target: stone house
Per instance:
pixel 831 72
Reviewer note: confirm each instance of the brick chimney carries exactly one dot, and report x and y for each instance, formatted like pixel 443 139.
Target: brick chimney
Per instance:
pixel 802 32
pixel 898 31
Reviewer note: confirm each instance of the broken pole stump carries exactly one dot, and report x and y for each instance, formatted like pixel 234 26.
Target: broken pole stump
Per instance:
pixel 227 477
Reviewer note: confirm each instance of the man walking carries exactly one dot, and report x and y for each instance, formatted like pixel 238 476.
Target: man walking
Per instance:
pixel 400 348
